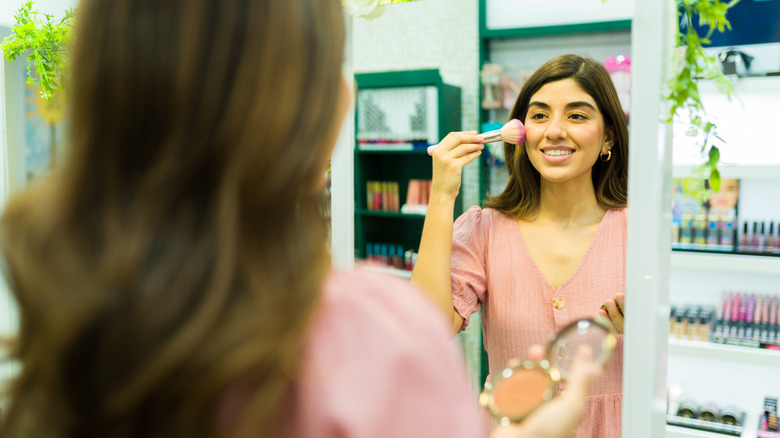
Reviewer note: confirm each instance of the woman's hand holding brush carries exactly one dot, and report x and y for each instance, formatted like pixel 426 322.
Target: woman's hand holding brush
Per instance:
pixel 458 149
pixel 454 152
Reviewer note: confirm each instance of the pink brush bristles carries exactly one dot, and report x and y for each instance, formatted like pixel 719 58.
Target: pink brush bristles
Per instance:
pixel 512 132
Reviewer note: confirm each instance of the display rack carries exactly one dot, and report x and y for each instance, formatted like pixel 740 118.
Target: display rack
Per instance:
pixel 400 165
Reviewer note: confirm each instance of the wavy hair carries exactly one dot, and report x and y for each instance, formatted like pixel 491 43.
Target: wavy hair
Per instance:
pixel 520 199
pixel 180 249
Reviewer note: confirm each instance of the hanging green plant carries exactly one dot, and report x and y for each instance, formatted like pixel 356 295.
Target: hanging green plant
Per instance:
pixel 46 40
pixel 692 65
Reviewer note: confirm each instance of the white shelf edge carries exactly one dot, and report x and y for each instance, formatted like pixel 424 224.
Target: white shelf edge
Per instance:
pixel 707 350
pixel 390 271
pixel 683 432
pixel 726 262
pixel 733 171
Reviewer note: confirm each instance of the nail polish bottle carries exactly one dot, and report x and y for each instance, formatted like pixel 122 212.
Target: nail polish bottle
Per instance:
pixel 770 240
pixel 762 238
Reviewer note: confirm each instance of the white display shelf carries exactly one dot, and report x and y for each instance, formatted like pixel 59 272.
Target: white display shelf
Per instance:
pixel 682 432
pixel 733 171
pixel 390 271
pixel 726 262
pixel 710 351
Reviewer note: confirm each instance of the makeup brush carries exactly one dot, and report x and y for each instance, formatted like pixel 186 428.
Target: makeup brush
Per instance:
pixel 512 132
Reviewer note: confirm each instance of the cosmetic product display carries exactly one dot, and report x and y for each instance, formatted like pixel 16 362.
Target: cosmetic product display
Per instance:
pixel 389 255
pixel 767 423
pixel 417 196
pixel 742 319
pixel 710 417
pixel 703 229
pixel 692 323
pixel 764 238
pixel 382 196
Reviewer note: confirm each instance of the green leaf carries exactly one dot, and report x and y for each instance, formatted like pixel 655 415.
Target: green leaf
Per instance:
pixel 715 180
pixel 714 156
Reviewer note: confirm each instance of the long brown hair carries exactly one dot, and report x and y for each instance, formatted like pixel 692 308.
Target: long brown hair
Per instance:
pixel 180 250
pixel 520 199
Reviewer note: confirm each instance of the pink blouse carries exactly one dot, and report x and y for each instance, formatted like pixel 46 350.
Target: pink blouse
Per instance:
pixel 379 364
pixel 493 270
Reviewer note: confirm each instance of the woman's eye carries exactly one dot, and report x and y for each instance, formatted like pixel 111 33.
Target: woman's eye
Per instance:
pixel 537 116
pixel 578 116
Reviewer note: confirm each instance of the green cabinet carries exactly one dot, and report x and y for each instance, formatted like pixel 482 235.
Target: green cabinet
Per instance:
pixel 398 114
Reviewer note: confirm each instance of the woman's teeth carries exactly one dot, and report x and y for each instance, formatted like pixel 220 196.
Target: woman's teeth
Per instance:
pixel 558 152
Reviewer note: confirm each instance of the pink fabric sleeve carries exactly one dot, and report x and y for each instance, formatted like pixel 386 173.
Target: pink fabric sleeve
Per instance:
pixel 469 282
pixel 378 365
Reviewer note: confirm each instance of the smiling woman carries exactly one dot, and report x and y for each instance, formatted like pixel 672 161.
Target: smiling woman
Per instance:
pixel 550 249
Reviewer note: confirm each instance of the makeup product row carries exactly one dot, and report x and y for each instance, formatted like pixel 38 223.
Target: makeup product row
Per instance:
pixel 702 416
pixel 747 319
pixel 417 196
pixel 767 424
pixel 382 196
pixel 691 322
pixel 390 255
pixel 704 230
pixel 760 237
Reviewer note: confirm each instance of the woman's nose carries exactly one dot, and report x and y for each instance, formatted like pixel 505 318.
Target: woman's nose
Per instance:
pixel 555 130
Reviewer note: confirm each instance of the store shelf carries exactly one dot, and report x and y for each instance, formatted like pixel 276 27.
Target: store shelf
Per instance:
pixel 709 351
pixel 732 171
pixel 389 271
pixel 365 212
pixel 726 262
pixel 683 432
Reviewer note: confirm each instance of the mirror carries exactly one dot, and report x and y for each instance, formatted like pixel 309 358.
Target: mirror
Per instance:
pixel 523 386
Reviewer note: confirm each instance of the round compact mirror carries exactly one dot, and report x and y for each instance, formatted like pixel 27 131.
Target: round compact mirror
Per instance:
pixel 519 389
pixel 522 387
pixel 597 334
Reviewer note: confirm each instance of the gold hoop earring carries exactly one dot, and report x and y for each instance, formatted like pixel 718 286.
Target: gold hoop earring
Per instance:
pixel 608 154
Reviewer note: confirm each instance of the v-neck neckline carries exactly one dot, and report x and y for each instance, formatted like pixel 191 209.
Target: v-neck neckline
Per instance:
pixel 579 266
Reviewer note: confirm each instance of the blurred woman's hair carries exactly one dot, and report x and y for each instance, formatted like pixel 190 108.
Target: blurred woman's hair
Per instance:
pixel 520 199
pixel 180 250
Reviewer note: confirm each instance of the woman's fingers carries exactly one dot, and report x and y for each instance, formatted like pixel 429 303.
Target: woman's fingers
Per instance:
pixel 454 139
pixel 620 301
pixel 613 313
pixel 463 161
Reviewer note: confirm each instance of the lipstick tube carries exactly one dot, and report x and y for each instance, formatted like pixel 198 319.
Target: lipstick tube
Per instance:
pixel 743 308
pixel 734 316
pixel 765 320
pixel 757 318
pixel 751 306
pixel 754 237
pixel 772 330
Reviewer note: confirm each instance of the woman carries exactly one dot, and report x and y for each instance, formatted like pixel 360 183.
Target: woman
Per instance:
pixel 173 277
pixel 551 248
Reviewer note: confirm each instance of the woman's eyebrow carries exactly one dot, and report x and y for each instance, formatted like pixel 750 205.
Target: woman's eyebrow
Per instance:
pixel 580 104
pixel 570 105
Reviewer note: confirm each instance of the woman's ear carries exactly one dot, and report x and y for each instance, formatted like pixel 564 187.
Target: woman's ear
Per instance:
pixel 609 141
